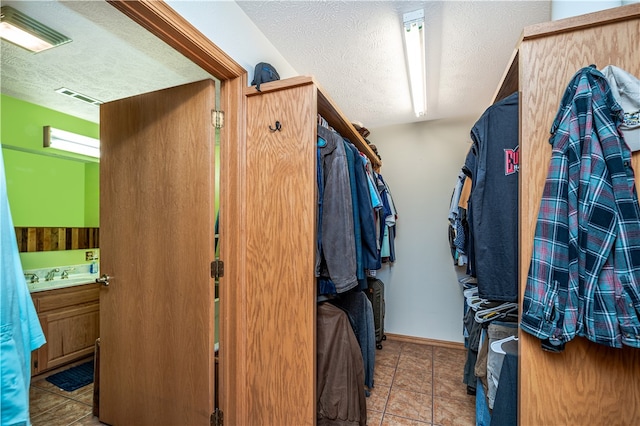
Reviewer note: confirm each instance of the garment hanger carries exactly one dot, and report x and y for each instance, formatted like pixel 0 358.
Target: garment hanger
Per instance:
pixel 475 302
pixel 467 280
pixel 470 292
pixel 497 345
pixel 493 313
pixel 324 123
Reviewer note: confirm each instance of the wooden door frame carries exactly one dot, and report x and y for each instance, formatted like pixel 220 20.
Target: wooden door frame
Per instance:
pixel 169 26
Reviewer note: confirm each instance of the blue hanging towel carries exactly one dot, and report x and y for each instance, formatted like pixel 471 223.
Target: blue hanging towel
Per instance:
pixel 20 331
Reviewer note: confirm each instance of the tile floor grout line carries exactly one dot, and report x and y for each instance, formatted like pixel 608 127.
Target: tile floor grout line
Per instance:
pixel 66 400
pixel 393 379
pixel 61 403
pixel 76 421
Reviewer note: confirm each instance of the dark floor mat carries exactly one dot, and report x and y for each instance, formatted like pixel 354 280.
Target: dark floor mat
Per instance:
pixel 73 378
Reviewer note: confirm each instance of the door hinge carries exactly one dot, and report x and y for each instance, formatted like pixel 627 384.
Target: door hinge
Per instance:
pixel 217 269
pixel 216 418
pixel 217 119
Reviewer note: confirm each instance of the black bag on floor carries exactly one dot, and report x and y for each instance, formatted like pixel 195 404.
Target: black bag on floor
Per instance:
pixel 375 293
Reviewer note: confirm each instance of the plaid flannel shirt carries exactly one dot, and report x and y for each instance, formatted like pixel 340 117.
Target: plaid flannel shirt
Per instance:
pixel 584 276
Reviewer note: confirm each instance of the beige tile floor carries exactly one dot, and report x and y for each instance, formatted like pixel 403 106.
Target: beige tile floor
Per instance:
pixel 51 406
pixel 418 385
pixel 415 385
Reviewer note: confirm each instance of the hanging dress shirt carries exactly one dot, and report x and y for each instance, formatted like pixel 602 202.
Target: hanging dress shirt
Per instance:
pixel 584 276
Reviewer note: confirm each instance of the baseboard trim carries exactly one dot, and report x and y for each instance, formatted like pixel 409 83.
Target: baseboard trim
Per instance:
pixel 425 341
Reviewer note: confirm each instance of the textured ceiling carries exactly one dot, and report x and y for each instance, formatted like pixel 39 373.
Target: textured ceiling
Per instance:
pixel 353 48
pixel 355 51
pixel 109 58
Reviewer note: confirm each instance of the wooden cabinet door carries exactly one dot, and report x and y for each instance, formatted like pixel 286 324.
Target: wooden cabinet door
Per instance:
pixel 157 244
pixel 71 334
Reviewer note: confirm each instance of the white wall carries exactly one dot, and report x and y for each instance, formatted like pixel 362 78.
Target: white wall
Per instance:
pixel 420 163
pixel 229 28
pixel 567 8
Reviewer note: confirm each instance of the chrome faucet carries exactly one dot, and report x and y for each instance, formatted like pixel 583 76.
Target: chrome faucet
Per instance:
pixel 51 274
pixel 34 277
pixel 65 273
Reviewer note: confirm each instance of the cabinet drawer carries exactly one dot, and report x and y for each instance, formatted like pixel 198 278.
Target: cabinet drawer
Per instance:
pixel 55 299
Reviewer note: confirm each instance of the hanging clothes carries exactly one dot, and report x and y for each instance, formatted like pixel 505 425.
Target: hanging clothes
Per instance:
pixel 366 211
pixel 350 226
pixel 626 90
pixel 388 221
pixel 336 259
pixel 493 203
pixel 584 275
pixel 360 314
pixel 20 331
pixel 456 229
pixel 340 392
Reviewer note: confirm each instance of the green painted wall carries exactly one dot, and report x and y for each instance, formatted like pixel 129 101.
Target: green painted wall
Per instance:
pixel 44 191
pixel 92 195
pixel 22 124
pixel 47 187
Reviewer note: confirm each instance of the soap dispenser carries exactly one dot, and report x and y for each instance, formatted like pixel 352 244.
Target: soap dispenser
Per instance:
pixel 94 267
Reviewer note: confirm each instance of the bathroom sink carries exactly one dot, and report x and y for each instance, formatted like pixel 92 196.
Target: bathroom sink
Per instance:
pixel 73 280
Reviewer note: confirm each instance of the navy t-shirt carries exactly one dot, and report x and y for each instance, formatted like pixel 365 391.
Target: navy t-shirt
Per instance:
pixel 493 203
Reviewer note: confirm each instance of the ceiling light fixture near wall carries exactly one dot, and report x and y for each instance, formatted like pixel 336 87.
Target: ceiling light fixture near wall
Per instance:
pixel 26 32
pixel 414 44
pixel 71 142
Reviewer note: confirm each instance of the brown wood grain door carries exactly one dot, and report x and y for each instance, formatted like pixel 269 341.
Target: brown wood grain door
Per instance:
pixel 157 243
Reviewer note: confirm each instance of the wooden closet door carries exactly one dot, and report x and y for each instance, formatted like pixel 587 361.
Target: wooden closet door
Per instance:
pixel 156 244
pixel 280 240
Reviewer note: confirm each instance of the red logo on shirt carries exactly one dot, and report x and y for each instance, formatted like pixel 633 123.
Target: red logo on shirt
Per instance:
pixel 511 161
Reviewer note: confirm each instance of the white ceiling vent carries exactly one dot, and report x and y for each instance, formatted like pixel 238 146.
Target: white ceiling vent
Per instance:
pixel 78 96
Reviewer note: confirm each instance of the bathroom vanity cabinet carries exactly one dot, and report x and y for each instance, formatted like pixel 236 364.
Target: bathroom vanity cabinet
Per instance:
pixel 70 319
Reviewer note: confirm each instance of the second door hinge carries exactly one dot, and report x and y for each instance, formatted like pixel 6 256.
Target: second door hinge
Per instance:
pixel 217 269
pixel 216 418
pixel 217 119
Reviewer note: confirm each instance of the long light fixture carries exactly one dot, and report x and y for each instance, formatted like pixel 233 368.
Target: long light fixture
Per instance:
pixel 413 29
pixel 26 32
pixel 71 142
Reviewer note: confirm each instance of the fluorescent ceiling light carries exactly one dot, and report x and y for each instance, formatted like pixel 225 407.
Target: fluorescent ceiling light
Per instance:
pixel 21 30
pixel 413 29
pixel 71 142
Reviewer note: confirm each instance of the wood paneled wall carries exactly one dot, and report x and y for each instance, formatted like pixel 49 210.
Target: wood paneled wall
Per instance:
pixel 49 239
pixel 587 383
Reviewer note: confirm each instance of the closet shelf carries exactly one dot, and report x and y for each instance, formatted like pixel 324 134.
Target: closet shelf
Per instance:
pixel 327 108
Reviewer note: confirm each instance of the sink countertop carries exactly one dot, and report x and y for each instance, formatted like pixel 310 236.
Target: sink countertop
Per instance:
pixel 80 275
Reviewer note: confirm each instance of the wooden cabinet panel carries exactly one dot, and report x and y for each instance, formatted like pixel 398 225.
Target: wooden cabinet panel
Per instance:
pixel 71 334
pixel 587 383
pixel 70 320
pixel 280 227
pixel 277 375
pixel 71 296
